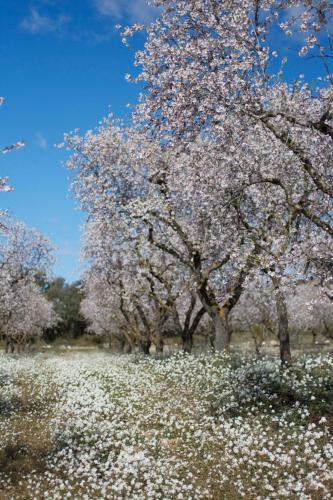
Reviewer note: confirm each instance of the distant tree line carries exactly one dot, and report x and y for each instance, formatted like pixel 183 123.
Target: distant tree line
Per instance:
pixel 66 299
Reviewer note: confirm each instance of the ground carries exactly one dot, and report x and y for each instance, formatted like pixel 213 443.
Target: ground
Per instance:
pixel 89 424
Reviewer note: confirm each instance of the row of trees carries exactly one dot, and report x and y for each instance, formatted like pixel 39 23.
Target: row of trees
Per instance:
pixel 224 179
pixel 66 300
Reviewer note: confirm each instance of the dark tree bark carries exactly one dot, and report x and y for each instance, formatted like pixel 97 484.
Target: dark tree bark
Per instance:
pixel 144 336
pixel 187 343
pixel 122 345
pixel 145 346
pixel 161 318
pixel 187 331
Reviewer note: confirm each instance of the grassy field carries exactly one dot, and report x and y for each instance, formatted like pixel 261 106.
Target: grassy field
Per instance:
pixel 87 424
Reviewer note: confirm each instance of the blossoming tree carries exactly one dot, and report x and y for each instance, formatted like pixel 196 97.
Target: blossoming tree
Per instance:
pixel 211 72
pixel 24 311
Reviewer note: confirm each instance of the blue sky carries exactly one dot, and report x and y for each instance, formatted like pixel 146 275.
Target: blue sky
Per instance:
pixel 63 65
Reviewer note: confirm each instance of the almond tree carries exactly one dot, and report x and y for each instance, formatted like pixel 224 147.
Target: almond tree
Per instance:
pixel 24 311
pixel 112 283
pixel 209 67
pixel 101 309
pixel 210 72
pixel 310 310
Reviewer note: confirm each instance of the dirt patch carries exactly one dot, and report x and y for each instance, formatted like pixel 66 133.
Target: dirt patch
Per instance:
pixel 28 445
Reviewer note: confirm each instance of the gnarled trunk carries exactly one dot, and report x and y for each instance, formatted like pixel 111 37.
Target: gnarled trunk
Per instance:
pixel 190 325
pixel 220 314
pixel 222 329
pixel 211 306
pixel 220 321
pixel 144 345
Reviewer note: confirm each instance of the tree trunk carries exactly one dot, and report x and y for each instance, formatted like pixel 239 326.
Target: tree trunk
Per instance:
pixel 283 327
pixel 122 345
pixel 257 333
pixel 222 329
pixel 159 342
pixel 211 340
pixel 145 346
pixel 29 345
pixel 127 348
pixel 144 335
pixel 218 316
pixel 187 341
pixel 188 331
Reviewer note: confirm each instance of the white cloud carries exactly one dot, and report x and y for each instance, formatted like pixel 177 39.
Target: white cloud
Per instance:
pixel 39 23
pixel 41 141
pixel 129 10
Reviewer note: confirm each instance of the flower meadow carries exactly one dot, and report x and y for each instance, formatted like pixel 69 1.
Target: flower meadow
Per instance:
pixel 207 427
